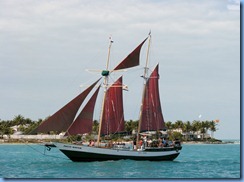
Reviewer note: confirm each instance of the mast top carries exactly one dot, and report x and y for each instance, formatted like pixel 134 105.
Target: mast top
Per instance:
pixel 111 40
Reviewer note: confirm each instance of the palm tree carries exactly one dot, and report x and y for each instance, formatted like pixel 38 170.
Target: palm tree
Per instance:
pixel 212 127
pixel 187 127
pixel 28 121
pixel 129 126
pixel 179 124
pixel 202 129
pixel 196 125
pixel 18 120
pixel 168 125
pixel 6 130
pixel 95 126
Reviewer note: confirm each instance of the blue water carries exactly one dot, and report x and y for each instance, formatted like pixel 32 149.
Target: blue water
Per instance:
pixel 195 161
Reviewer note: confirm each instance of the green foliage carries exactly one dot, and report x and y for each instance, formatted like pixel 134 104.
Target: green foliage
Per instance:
pixel 175 135
pixel 72 138
pixel 95 126
pixel 26 125
pixel 130 126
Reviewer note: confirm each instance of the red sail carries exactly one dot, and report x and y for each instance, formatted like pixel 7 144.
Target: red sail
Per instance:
pixel 83 123
pixel 132 59
pixel 152 117
pixel 62 119
pixel 113 114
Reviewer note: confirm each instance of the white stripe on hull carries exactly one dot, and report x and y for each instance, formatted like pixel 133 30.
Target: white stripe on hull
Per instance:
pixel 113 152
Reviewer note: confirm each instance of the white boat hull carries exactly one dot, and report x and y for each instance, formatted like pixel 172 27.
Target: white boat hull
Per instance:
pixel 78 153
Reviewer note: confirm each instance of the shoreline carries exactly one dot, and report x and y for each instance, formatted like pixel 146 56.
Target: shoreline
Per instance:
pixel 183 142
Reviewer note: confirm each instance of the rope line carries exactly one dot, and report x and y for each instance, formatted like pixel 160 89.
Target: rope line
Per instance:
pixel 44 152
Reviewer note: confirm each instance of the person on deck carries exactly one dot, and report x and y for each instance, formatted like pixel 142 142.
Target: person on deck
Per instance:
pixel 92 143
pixel 160 144
pixel 164 142
pixel 134 143
pixel 141 143
pixel 144 138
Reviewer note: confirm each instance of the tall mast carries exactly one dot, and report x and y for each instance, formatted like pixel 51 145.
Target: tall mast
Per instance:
pixel 105 73
pixel 145 77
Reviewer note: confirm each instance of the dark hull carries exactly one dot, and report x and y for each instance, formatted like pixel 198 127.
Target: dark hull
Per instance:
pixel 88 157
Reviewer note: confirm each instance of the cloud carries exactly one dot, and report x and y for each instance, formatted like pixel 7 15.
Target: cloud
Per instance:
pixel 234 5
pixel 87 15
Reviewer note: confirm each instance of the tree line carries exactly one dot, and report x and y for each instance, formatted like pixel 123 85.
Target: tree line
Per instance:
pixel 26 125
pixel 194 127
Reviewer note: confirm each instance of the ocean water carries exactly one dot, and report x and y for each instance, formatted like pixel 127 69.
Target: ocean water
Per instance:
pixel 209 161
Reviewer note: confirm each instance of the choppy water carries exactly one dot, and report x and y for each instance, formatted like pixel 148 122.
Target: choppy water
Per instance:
pixel 195 161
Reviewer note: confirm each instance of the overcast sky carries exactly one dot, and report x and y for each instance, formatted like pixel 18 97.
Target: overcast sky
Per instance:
pixel 46 46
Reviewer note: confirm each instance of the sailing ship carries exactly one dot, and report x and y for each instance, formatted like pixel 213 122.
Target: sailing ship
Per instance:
pixel 112 117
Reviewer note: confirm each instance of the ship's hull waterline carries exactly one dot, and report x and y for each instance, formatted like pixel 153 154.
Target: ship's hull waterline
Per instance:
pixel 80 153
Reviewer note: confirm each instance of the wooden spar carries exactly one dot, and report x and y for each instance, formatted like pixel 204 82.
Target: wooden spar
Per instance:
pixel 110 44
pixel 144 89
pixel 104 94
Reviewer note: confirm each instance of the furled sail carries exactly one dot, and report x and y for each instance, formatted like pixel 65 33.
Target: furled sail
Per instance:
pixel 133 59
pixel 113 113
pixel 62 119
pixel 152 117
pixel 83 122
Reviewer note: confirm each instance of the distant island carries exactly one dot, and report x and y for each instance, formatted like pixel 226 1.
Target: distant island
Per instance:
pixel 17 131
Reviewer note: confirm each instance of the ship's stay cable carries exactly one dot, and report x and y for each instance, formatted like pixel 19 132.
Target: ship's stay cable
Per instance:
pixel 44 152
